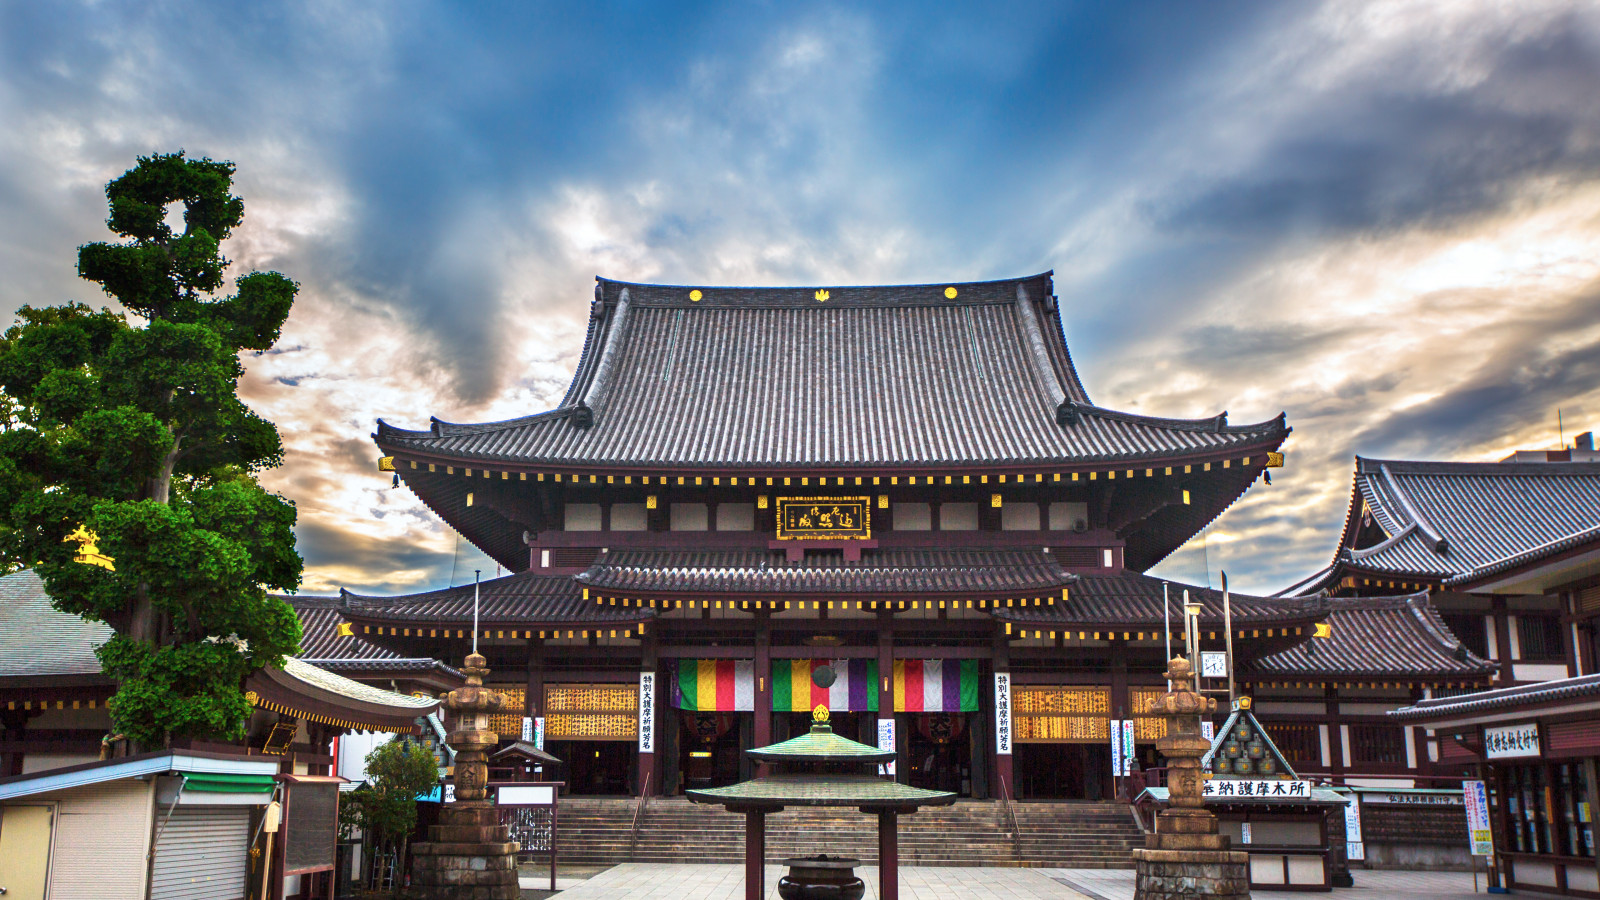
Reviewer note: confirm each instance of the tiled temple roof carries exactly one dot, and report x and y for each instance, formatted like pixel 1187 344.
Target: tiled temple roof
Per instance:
pixel 323 646
pixel 1135 599
pixel 1454 523
pixel 1379 636
pixel 895 376
pixel 523 597
pixel 1543 693
pixel 38 639
pixel 877 572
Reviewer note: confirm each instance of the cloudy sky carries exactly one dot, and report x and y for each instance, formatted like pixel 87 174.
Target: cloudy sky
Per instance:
pixel 1381 217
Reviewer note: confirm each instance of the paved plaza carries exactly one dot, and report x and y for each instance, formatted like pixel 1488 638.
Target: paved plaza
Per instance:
pixel 659 881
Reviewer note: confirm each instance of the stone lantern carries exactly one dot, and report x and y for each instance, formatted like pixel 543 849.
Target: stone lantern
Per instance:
pixel 1185 857
pixel 469 854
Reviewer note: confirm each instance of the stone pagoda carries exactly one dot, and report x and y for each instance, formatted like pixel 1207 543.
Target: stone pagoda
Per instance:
pixel 1185 857
pixel 470 855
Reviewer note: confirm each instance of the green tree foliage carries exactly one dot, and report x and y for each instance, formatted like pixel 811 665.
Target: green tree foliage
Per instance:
pixel 386 806
pixel 128 425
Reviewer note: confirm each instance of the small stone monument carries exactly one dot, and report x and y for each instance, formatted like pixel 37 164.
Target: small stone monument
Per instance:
pixel 470 855
pixel 1185 857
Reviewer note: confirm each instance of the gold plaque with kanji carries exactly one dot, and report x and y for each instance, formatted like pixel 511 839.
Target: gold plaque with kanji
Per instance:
pixel 824 518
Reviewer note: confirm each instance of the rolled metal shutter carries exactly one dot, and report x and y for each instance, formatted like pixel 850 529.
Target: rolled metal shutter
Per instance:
pixel 202 854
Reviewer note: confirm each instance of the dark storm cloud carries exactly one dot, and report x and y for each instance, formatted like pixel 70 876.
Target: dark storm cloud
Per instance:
pixel 1520 380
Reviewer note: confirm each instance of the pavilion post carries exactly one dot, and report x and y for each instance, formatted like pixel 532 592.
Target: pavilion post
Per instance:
pixel 755 855
pixel 888 855
pixel 763 694
pixel 886 683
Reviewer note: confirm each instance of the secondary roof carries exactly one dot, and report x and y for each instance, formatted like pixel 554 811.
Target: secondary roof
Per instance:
pixel 1456 524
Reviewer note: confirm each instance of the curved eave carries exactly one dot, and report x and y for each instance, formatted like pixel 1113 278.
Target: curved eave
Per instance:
pixel 278 686
pixel 1366 576
pixel 1260 437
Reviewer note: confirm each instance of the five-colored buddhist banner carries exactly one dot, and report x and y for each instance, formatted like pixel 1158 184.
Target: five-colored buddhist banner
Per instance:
pixel 920 685
pixel 854 689
pixel 936 685
pixel 715 685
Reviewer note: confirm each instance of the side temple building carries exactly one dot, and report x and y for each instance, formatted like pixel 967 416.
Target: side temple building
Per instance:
pixel 908 484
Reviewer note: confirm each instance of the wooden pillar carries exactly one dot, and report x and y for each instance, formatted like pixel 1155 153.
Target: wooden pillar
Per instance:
pixel 755 855
pixel 1119 701
pixel 1330 695
pixel 533 691
pixel 1502 640
pixel 1569 633
pixel 888 856
pixel 763 698
pixel 886 676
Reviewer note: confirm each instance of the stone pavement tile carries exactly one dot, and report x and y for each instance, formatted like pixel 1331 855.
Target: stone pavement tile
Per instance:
pixel 1117 884
pixel 660 881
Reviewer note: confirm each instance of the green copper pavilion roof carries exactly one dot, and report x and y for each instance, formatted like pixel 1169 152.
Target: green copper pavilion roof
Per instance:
pixel 864 791
pixel 820 744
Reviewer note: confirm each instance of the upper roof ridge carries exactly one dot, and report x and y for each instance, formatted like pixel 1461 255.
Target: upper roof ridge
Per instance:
pixel 1434 538
pixel 817 296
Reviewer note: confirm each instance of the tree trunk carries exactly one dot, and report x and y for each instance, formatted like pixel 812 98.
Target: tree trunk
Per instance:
pixel 159 487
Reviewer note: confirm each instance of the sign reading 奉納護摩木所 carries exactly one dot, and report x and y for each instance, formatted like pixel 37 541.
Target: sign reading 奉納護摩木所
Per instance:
pixel 1218 789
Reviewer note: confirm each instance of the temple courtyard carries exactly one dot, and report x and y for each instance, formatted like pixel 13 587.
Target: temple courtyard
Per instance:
pixel 658 881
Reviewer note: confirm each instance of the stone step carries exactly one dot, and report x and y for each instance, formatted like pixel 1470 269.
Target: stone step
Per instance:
pixel 1068 835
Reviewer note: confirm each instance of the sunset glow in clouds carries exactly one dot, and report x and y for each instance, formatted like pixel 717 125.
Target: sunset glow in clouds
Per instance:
pixel 1380 217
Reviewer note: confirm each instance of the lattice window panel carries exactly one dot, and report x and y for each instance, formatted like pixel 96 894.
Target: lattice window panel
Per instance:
pixel 1147 726
pixel 1299 742
pixel 1061 715
pixel 591 712
pixel 509 724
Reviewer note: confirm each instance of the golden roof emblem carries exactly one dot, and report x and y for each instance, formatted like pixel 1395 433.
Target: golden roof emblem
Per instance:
pixel 821 295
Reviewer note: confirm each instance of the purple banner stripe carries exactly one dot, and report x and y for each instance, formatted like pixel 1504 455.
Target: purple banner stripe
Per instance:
pixel 951 685
pixel 858 685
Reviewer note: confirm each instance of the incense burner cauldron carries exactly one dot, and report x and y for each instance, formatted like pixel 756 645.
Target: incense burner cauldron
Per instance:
pixel 821 878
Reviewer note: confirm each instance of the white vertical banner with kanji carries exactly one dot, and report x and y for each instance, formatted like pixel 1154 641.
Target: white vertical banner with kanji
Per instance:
pixel 886 742
pixel 1002 713
pixel 1354 847
pixel 1479 833
pixel 647 712
pixel 1128 751
pixel 1118 763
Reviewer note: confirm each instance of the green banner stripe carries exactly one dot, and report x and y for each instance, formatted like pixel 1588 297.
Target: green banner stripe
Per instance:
pixel 782 695
pixel 689 683
pixel 969 685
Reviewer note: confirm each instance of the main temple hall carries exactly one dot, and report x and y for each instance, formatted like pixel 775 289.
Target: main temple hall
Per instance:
pixel 908 485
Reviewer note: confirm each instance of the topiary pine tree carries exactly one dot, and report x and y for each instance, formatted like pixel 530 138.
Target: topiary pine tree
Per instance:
pixel 130 435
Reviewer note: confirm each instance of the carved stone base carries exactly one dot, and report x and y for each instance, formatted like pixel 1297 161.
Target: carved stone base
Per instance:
pixel 1191 874
pixel 469 856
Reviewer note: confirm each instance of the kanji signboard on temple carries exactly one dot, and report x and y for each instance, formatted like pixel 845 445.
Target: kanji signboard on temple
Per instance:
pixel 1234 788
pixel 824 518
pixel 1511 741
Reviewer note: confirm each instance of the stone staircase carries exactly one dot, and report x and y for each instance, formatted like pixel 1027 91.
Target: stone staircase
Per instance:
pixel 970 833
